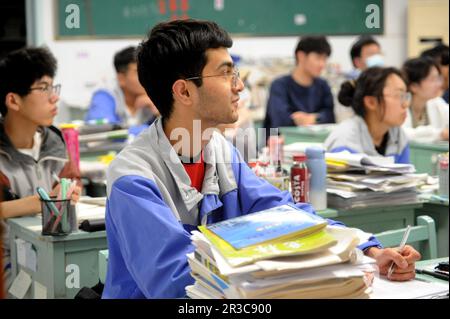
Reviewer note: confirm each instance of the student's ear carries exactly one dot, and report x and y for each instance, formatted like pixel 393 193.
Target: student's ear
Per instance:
pixel 181 92
pixel 371 103
pixel 414 88
pixel 121 77
pixel 358 63
pixel 300 56
pixel 13 101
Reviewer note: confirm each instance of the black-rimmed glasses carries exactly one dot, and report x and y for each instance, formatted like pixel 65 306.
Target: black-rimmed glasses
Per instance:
pixel 49 89
pixel 234 77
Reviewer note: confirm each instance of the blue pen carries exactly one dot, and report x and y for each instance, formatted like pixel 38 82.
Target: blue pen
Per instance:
pixel 46 199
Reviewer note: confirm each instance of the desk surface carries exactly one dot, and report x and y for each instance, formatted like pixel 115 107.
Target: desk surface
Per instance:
pixel 32 226
pixel 431 262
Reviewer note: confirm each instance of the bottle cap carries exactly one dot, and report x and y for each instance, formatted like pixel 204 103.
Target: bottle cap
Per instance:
pixel 299 157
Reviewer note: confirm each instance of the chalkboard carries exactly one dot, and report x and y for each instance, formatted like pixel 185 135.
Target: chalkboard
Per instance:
pixel 133 18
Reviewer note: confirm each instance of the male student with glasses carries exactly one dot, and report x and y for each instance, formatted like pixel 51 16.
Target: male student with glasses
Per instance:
pixel 180 173
pixel 31 149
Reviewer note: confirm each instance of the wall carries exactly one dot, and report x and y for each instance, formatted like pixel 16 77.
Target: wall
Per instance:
pixel 84 64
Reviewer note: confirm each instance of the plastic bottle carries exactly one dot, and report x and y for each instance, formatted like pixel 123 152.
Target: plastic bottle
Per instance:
pixel 70 133
pixel 318 178
pixel 443 175
pixel 300 179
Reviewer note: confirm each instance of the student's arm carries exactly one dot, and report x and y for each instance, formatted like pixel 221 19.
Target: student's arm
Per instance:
pixel 152 243
pixel 103 106
pixel 326 115
pixel 278 108
pixel 21 207
pixel 256 194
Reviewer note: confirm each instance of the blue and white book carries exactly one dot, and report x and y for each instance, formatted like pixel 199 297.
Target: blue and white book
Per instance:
pixel 281 222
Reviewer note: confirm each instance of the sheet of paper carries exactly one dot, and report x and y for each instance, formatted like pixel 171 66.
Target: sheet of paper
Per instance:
pixel 386 289
pixel 20 285
pixel 31 257
pixel 21 252
pixel 40 291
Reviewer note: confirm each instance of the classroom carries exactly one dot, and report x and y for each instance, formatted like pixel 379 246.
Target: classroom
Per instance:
pixel 225 149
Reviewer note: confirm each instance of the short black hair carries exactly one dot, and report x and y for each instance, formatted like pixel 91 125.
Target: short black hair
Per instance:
pixel 123 58
pixel 439 53
pixel 317 44
pixel 176 50
pixel 21 68
pixel 355 51
pixel 371 82
pixel 417 69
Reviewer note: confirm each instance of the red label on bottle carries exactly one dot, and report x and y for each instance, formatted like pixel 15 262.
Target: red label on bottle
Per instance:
pixel 300 183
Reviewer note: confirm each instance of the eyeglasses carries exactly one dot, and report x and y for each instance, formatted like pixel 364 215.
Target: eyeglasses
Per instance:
pixel 235 75
pixel 403 97
pixel 49 89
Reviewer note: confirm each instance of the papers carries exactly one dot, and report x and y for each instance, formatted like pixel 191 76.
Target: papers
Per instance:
pixel 26 254
pixel 346 160
pixel 413 289
pixel 90 211
pixel 20 285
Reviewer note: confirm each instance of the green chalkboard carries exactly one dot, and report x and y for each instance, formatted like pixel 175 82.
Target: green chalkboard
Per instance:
pixel 133 18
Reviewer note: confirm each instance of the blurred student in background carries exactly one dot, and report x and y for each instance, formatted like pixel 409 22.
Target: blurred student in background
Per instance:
pixel 380 100
pixel 126 102
pixel 31 149
pixel 302 97
pixel 365 53
pixel 440 54
pixel 427 119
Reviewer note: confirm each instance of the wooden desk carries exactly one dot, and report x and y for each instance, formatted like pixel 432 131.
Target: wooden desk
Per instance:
pixel 55 256
pixel 424 156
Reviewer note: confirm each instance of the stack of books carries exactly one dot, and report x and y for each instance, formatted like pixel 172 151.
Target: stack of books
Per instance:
pixel 358 180
pixel 281 252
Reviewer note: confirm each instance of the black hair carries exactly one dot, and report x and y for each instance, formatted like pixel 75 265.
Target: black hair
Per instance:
pixel 355 51
pixel 371 82
pixel 417 69
pixel 21 68
pixel 316 44
pixel 123 58
pixel 176 50
pixel 439 53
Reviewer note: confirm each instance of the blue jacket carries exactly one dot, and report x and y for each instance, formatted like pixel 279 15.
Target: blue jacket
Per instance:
pixel 353 135
pixel 152 208
pixel 109 105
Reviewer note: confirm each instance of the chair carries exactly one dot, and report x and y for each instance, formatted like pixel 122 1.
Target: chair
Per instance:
pixel 424 231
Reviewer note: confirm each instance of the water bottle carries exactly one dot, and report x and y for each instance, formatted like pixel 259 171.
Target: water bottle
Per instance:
pixel 443 175
pixel 318 179
pixel 70 133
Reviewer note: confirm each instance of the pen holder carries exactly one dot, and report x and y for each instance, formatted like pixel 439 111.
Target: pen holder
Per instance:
pixel 58 217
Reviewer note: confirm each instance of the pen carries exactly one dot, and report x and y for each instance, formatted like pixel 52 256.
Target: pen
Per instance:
pixel 432 273
pixel 400 249
pixel 46 199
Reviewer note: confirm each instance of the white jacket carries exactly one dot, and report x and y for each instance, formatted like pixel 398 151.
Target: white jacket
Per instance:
pixel 437 111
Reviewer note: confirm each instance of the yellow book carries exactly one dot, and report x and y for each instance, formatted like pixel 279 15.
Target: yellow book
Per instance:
pixel 312 243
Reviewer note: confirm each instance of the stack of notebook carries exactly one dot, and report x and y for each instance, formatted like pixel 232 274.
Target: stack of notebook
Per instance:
pixel 282 252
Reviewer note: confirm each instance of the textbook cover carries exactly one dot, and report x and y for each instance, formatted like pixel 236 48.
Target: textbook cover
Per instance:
pixel 281 222
pixel 308 244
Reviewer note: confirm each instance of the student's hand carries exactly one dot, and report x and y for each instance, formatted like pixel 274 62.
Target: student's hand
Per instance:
pixel 144 101
pixel 302 118
pixel 444 134
pixel 404 268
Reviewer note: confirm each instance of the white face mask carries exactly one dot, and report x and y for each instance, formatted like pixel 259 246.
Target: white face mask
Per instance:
pixel 375 60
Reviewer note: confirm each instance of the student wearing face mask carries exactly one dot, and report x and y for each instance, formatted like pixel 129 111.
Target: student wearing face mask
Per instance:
pixel 380 101
pixel 365 53
pixel 427 118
